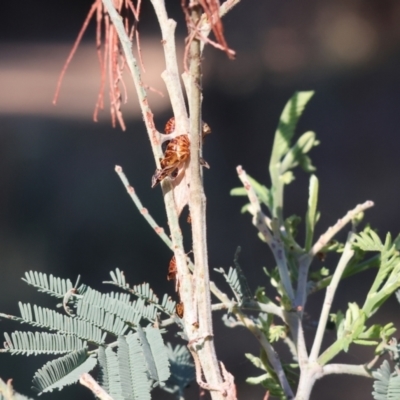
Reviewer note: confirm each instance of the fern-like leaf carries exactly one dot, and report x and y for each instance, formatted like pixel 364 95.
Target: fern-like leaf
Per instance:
pixel 287 124
pixel 51 285
pixel 368 241
pixel 103 369
pixel 41 343
pixel 160 353
pixel 118 278
pixel 124 374
pixel 233 281
pixel 118 304
pixel 387 384
pixel 182 369
pixel 144 292
pixel 113 376
pixel 63 371
pixel 100 318
pixel 50 319
pixel 140 381
pixel 148 356
pixel 124 368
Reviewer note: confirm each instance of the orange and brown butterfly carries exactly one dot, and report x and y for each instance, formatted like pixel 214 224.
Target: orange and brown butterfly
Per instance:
pixel 172 269
pixel 176 154
pixel 180 309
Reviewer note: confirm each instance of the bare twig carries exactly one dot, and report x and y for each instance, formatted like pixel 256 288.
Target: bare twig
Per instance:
pixel 359 370
pixel 324 239
pixel 131 191
pixel 88 381
pixel 347 254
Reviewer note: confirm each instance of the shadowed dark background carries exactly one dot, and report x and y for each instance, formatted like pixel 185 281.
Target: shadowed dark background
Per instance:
pixel 64 211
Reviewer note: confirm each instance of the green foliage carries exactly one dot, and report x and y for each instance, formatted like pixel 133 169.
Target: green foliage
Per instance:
pixel 143 292
pixel 63 371
pixel 284 158
pixel 51 285
pixel 292 264
pixel 262 192
pixel 387 280
pixel 129 367
pixel 312 214
pixel 233 281
pixel 386 384
pixel 268 378
pixel 182 370
pixel 41 343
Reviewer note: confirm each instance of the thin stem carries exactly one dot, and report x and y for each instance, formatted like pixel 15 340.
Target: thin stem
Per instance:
pixel 270 308
pixel 273 357
pixel 333 230
pixel 131 191
pixel 273 241
pixel 305 260
pixel 347 254
pixel 359 370
pixel 372 262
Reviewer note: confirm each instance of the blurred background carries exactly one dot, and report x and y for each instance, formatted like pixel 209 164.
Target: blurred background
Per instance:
pixel 64 211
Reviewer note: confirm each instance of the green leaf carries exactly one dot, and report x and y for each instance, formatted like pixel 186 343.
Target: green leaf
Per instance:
pixel 182 369
pixel 256 380
pixel 311 216
pixel 29 343
pixel 50 319
pixel 144 292
pixel 368 240
pixel 287 124
pixel 148 356
pixel 363 342
pixel 297 154
pixel 277 332
pixel 287 177
pixel 239 191
pixel 103 377
pixel 113 375
pixel 386 384
pixel 256 361
pixel 245 208
pixel 63 371
pixel 51 285
pixel 160 353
